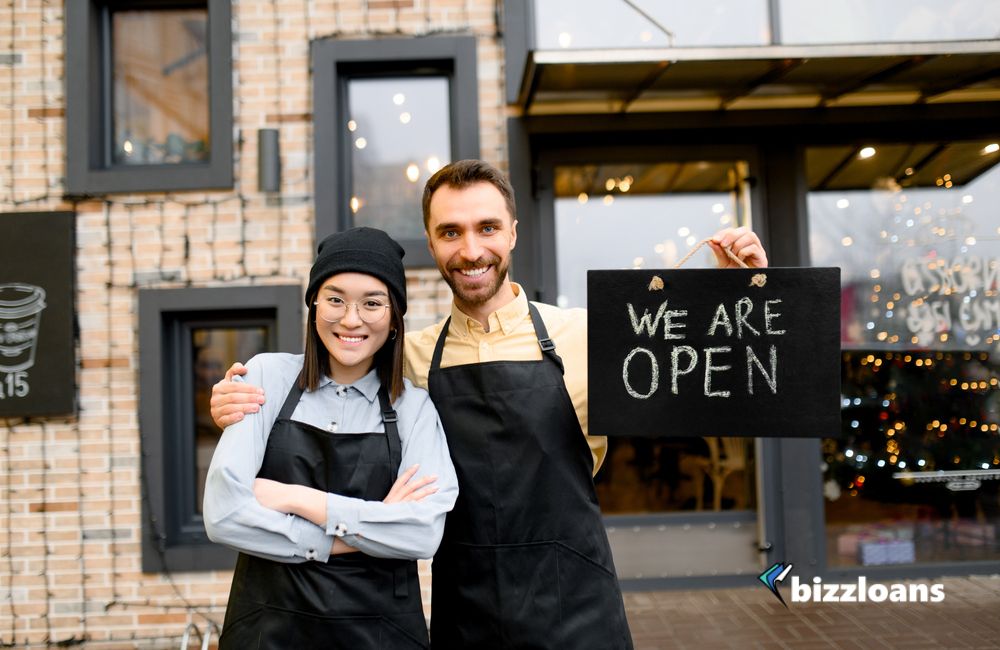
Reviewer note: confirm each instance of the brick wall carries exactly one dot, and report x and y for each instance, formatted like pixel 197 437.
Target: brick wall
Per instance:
pixel 70 489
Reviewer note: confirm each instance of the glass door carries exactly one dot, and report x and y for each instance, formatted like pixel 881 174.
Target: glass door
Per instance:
pixel 697 497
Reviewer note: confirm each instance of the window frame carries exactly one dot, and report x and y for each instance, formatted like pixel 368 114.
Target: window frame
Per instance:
pixel 173 534
pixel 335 63
pixel 89 169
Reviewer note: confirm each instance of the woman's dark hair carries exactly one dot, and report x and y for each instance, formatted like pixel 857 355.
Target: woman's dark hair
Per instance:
pixel 388 360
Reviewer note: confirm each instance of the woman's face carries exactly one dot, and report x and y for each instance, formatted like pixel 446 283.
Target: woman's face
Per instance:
pixel 358 305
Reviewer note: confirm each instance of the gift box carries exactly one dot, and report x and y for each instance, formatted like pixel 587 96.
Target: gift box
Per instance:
pixel 847 544
pixel 973 533
pixel 848 541
pixel 886 551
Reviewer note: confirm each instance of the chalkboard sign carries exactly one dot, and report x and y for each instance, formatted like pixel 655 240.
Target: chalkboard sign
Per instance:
pixel 37 364
pixel 719 352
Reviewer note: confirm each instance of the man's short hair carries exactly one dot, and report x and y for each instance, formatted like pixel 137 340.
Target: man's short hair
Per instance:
pixel 465 173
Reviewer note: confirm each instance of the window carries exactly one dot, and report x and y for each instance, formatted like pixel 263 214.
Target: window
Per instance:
pixel 148 95
pixel 188 337
pixel 692 493
pixel 388 114
pixel 915 476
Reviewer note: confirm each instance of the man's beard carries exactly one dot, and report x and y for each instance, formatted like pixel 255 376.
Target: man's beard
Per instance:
pixel 480 296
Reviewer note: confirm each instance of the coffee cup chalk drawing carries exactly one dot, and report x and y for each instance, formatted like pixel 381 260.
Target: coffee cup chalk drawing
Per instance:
pixel 745 352
pixel 21 308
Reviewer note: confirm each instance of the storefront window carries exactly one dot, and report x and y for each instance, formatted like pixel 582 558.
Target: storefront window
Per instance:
pixel 689 493
pixel 914 227
pixel 653 212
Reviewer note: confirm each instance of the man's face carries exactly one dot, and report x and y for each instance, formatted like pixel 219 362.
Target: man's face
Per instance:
pixel 470 233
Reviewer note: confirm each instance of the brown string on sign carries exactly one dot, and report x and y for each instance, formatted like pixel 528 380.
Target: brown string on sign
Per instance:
pixel 729 252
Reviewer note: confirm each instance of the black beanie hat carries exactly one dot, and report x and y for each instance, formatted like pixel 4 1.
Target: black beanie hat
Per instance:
pixel 361 250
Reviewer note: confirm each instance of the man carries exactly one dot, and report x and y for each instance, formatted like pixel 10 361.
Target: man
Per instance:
pixel 525 561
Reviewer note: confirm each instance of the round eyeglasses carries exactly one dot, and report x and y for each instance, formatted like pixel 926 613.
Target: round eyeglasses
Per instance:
pixel 334 309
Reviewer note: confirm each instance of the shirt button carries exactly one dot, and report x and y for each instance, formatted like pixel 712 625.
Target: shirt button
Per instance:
pixel 332 427
pixel 341 390
pixel 340 529
pixel 311 554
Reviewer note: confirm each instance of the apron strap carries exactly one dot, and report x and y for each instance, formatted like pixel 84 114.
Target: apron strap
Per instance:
pixel 548 345
pixel 439 347
pixel 291 401
pixel 400 580
pixel 389 419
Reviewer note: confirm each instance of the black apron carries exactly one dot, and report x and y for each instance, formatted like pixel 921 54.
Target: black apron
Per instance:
pixel 525 561
pixel 354 601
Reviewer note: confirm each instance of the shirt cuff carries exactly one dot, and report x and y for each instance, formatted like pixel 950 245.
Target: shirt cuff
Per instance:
pixel 313 542
pixel 343 515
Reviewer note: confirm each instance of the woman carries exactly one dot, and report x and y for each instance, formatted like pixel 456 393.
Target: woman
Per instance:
pixel 319 491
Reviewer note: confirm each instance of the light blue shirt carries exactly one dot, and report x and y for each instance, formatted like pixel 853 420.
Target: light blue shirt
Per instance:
pixel 408 530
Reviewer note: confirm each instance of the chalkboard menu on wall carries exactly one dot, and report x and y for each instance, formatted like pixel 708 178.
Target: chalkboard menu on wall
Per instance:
pixel 720 352
pixel 36 314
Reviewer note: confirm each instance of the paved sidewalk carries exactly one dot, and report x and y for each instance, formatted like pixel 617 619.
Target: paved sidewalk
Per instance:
pixel 751 617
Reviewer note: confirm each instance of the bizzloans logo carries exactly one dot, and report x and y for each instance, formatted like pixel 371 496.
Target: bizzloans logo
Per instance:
pixel 859 592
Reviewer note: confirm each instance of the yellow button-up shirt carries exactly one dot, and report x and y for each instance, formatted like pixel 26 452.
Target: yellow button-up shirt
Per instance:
pixel 511 338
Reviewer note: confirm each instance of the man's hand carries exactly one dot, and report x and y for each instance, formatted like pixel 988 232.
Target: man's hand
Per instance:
pixel 232 399
pixel 404 490
pixel 744 243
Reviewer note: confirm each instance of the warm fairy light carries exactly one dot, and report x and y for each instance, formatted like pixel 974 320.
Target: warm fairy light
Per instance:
pixel 609 184
pixel 991 148
pixel 565 39
pixel 433 164
pixel 405 117
pixel 582 198
pixel 352 126
pixel 412 173
pixel 846 241
pixel 361 143
pixel 399 99
pixel 355 204
pixel 843 204
pixel 608 199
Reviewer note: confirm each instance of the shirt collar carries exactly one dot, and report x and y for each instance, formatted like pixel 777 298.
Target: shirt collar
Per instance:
pixel 367 385
pixel 505 320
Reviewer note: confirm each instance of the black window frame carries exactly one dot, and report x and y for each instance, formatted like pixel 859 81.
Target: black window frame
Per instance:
pixel 89 169
pixel 173 534
pixel 335 63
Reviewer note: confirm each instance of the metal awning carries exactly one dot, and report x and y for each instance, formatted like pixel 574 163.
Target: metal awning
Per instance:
pixel 759 77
